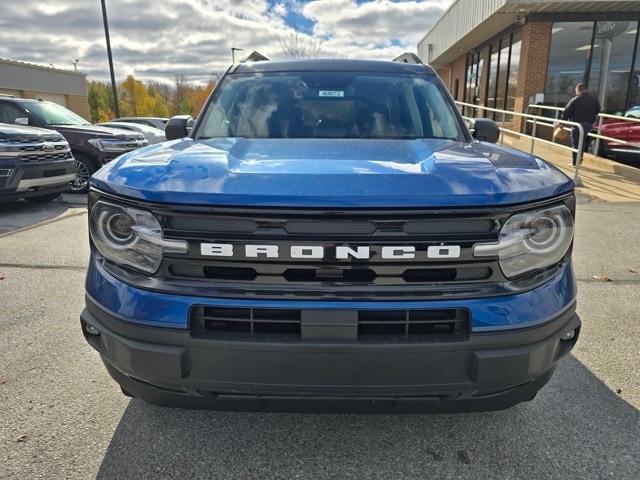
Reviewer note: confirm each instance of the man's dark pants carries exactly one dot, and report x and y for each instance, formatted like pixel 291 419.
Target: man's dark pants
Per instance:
pixel 575 139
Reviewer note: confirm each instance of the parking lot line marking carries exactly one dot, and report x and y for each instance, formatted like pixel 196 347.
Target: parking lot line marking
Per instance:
pixel 43 267
pixel 43 223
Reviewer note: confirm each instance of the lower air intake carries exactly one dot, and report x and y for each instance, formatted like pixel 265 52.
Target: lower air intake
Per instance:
pixel 441 325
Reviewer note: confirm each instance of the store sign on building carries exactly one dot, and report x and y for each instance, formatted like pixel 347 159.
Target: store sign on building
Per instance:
pixel 610 29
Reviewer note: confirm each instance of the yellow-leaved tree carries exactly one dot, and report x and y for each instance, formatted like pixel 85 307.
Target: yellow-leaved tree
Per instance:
pixel 135 101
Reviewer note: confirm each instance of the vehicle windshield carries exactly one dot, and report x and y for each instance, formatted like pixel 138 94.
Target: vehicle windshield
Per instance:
pixel 633 112
pixel 330 105
pixel 54 114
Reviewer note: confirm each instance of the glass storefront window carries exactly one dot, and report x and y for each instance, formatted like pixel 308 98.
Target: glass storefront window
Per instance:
pixel 599 54
pixel 568 60
pixel 500 80
pixel 516 44
pixel 474 70
pixel 490 92
pixel 503 73
pixel 611 63
pixel 634 79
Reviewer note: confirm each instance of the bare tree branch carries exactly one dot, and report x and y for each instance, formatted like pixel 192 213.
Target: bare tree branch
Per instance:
pixel 299 46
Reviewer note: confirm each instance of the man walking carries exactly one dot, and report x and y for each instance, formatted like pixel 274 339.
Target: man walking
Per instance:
pixel 583 109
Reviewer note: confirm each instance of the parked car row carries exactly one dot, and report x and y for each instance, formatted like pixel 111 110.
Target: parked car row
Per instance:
pixel 46 149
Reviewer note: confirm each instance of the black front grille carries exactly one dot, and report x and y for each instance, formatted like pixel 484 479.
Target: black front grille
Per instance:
pixel 40 148
pixel 46 157
pixel 436 226
pixel 427 325
pixel 380 274
pixel 271 226
pixel 332 276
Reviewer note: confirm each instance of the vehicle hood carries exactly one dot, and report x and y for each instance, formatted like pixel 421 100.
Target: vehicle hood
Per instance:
pixel 95 131
pixel 331 173
pixel 26 133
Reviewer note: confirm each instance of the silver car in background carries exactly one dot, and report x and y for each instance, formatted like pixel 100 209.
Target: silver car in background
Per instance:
pixel 152 134
pixel 157 122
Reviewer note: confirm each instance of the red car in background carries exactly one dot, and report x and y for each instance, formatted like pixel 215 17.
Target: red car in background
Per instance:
pixel 629 131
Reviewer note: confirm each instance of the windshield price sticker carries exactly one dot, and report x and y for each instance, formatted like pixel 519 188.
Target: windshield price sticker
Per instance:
pixel 331 93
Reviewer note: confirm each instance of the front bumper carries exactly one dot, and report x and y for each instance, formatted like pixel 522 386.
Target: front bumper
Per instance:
pixel 490 370
pixel 21 179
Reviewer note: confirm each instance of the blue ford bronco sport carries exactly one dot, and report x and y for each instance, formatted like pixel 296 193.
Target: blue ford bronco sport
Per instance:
pixel 331 237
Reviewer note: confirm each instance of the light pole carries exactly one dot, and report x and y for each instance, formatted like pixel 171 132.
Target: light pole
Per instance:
pixel 75 64
pixel 233 53
pixel 114 87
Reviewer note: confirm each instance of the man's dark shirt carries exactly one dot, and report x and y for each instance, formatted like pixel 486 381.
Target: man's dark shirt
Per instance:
pixel 583 108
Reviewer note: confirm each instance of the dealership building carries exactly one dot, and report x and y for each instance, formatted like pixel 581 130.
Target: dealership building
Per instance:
pixel 64 87
pixel 507 54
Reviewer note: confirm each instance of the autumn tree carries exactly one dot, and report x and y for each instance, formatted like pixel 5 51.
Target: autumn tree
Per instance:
pixel 100 101
pixel 157 105
pixel 181 93
pixel 199 95
pixel 151 99
pixel 134 98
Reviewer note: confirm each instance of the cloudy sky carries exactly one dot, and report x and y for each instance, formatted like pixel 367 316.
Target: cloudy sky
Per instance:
pixel 157 39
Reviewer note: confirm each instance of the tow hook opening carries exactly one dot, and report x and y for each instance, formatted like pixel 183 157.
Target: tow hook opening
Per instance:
pixel 567 340
pixel 92 335
pixel 91 330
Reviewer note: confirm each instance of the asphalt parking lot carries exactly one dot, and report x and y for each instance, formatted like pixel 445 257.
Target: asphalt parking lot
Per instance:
pixel 63 417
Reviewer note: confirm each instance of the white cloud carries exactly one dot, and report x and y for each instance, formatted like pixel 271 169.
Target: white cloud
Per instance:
pixel 156 40
pixel 375 20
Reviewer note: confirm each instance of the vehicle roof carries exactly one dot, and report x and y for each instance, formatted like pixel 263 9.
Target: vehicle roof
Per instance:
pixel 20 99
pixel 333 65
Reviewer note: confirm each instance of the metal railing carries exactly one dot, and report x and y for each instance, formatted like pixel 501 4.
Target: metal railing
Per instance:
pixel 598 135
pixel 535 121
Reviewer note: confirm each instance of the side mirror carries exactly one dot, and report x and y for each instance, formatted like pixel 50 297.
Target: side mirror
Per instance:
pixel 21 121
pixel 484 129
pixel 178 127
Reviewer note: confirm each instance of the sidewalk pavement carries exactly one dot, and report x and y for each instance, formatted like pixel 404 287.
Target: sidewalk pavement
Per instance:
pixel 601 178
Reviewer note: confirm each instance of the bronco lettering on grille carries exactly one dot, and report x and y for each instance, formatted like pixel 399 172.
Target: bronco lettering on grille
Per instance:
pixel 342 252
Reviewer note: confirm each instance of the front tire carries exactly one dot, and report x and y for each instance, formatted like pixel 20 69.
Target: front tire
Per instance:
pixel 603 151
pixel 84 169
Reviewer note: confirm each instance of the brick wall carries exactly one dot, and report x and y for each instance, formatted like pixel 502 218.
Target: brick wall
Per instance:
pixel 443 73
pixel 534 56
pixel 79 105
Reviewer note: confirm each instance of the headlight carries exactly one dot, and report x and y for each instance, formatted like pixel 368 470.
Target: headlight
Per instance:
pixel 531 241
pixel 117 145
pixel 132 237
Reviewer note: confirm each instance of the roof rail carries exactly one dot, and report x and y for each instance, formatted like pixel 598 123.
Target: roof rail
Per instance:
pixel 7 95
pixel 255 56
pixel 408 57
